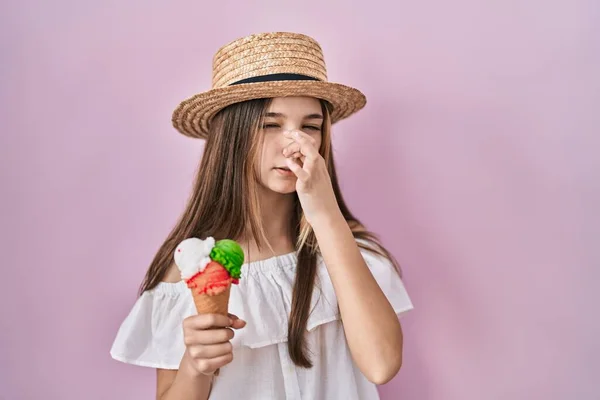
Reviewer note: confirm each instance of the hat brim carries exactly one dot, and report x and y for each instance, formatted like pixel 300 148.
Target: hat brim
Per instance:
pixel 192 116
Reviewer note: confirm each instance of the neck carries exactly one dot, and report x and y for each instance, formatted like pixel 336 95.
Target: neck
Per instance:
pixel 276 210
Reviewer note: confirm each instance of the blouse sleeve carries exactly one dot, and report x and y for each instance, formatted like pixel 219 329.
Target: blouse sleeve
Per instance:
pixel 389 281
pixel 152 334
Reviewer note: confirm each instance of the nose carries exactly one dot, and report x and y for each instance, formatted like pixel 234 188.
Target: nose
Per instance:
pixel 284 139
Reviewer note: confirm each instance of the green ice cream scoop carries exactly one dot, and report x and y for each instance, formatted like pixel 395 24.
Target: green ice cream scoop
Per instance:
pixel 230 255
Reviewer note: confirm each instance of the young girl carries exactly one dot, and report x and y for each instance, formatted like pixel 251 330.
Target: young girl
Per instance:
pixel 315 313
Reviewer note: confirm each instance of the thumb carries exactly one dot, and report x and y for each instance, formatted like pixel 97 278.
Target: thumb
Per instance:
pixel 236 322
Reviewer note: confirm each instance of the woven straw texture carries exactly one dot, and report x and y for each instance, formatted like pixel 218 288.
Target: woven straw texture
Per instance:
pixel 258 55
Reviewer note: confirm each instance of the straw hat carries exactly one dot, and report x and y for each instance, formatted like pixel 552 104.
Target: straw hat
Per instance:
pixel 265 65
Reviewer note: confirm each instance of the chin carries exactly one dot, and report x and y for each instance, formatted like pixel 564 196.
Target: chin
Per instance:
pixel 281 187
pixel 287 189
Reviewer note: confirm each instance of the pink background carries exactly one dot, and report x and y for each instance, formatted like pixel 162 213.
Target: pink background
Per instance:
pixel 480 144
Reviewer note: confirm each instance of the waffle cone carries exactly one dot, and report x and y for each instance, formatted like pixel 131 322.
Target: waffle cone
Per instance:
pixel 212 304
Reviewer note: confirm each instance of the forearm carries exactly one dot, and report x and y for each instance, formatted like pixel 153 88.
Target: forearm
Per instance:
pixel 188 384
pixel 371 326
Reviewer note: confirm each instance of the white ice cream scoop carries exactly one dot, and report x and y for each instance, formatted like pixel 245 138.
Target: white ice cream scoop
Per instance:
pixel 193 255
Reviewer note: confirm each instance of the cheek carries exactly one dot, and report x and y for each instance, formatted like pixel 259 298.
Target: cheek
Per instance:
pixel 270 152
pixel 318 139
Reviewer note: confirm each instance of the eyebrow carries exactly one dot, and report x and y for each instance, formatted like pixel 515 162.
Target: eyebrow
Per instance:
pixel 280 115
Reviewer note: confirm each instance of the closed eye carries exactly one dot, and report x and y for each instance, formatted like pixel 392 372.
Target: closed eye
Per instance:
pixel 313 128
pixel 270 126
pixel 277 126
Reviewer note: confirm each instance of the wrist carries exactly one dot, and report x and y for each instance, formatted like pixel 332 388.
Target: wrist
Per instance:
pixel 327 221
pixel 188 370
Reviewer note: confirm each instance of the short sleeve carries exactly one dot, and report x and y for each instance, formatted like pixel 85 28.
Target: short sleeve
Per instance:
pixel 389 280
pixel 152 334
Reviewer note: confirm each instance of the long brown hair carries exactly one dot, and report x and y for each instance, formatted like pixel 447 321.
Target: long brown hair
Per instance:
pixel 224 204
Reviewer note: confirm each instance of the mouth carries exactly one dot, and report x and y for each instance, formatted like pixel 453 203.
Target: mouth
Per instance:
pixel 285 171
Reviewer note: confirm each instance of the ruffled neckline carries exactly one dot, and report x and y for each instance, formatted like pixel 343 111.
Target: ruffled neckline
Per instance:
pixel 249 269
pixel 263 298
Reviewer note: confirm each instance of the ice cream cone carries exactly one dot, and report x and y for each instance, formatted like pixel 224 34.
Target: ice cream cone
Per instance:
pixel 209 269
pixel 212 304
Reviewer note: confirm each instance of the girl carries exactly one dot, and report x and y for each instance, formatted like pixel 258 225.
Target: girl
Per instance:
pixel 315 313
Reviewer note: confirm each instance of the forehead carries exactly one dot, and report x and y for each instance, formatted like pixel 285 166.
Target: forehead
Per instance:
pixel 295 105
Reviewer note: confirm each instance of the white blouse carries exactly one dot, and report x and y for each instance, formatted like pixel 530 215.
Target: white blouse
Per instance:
pixel 152 335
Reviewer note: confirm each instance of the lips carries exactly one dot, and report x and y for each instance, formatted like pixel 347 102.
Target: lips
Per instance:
pixel 284 171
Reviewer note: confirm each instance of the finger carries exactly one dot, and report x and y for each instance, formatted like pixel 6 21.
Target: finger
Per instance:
pixel 207 321
pixel 291 148
pixel 294 133
pixel 307 144
pixel 213 364
pixel 295 167
pixel 309 152
pixel 308 149
pixel 236 322
pixel 297 155
pixel 211 351
pixel 208 336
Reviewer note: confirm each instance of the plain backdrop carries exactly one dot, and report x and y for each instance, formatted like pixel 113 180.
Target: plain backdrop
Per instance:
pixel 476 160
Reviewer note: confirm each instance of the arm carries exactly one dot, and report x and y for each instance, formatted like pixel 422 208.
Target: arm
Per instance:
pixel 183 384
pixel 186 383
pixel 208 347
pixel 372 327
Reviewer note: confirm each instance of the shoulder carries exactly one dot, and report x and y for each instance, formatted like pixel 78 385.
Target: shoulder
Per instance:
pixel 172 275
